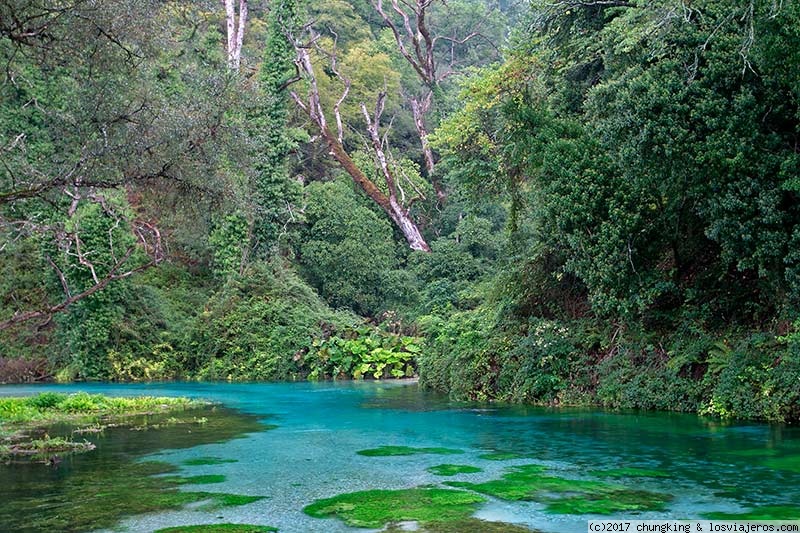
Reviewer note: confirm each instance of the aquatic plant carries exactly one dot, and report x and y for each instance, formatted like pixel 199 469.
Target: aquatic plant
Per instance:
pixel 767 512
pixel 201 461
pixel 377 508
pixel 199 480
pixel 501 456
pixel 467 525
pixel 388 451
pixel 218 528
pixel 452 470
pixel 568 496
pixel 629 472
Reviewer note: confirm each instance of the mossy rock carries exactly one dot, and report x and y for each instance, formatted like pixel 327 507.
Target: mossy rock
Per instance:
pixel 568 496
pixel 452 470
pixel 467 525
pixel 390 451
pixel 202 461
pixel 629 472
pixel 218 528
pixel 377 508
pixel 501 456
pixel 769 512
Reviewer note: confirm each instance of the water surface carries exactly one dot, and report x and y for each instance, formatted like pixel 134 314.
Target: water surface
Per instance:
pixel 711 466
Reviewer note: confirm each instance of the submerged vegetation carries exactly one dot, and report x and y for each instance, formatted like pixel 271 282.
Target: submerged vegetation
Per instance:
pixel 566 496
pixel 23 420
pixel 218 528
pixel 452 470
pixel 97 489
pixel 390 451
pixel 378 508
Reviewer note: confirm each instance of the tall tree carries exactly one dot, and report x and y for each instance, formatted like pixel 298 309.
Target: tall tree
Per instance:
pixel 435 49
pixel 235 31
pixel 386 198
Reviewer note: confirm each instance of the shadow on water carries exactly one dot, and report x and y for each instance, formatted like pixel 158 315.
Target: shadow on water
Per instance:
pixel 93 490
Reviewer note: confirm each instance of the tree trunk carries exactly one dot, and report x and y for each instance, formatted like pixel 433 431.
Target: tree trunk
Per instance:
pixel 235 31
pixel 391 207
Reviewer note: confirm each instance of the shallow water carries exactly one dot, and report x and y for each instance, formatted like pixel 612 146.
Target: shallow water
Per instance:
pixel 711 466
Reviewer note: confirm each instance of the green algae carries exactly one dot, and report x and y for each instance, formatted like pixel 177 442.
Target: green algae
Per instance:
pixel 467 525
pixel 629 472
pixel 452 470
pixel 567 496
pixel 202 461
pixel 218 528
pixel 501 456
pixel 377 508
pixel 390 451
pixel 769 512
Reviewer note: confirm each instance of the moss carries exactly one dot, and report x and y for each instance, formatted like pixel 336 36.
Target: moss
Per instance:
pixel 629 472
pixel 200 461
pixel 566 495
pixel 218 528
pixel 388 451
pixel 501 456
pixel 467 525
pixel 377 508
pixel 452 470
pixel 769 512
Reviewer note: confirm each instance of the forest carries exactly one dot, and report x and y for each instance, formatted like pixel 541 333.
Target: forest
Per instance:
pixel 549 202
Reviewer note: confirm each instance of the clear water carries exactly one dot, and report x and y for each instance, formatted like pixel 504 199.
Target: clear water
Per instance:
pixel 312 454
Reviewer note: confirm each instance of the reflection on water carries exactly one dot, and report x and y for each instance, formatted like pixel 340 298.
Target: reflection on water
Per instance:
pixel 707 466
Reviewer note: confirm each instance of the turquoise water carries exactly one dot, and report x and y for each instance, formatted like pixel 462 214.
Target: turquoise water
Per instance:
pixel 711 466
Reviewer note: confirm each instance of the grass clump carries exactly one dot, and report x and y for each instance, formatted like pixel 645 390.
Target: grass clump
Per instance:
pixel 567 496
pixel 452 470
pixel 48 407
pixel 377 508
pixel 218 528
pixel 390 451
pixel 769 512
pixel 202 461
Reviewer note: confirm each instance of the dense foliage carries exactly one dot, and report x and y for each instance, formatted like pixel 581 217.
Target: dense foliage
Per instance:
pixel 609 193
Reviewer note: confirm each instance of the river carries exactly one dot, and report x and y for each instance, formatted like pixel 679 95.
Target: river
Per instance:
pixel 702 465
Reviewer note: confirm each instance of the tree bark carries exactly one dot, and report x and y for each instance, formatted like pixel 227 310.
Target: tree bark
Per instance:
pixel 235 31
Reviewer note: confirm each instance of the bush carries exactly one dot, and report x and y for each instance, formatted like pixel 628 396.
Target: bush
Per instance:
pixel 363 352
pixel 258 326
